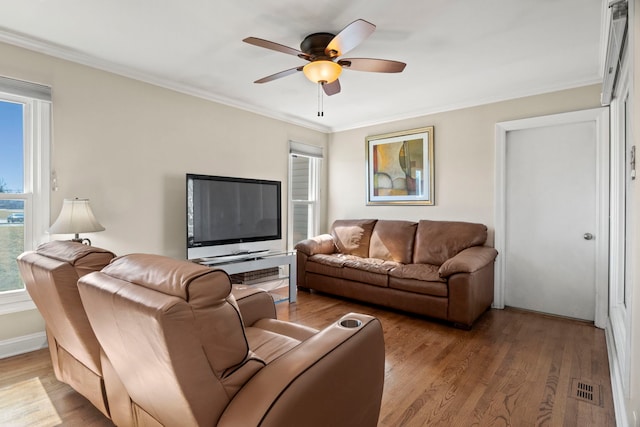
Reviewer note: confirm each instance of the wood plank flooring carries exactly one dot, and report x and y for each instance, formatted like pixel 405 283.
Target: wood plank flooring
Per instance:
pixel 513 368
pixel 30 395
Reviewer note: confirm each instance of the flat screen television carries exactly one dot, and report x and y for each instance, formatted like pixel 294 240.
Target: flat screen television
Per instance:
pixel 230 216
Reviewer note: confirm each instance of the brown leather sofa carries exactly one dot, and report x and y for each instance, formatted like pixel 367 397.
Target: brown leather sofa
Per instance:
pixel 50 274
pixel 189 354
pixel 433 268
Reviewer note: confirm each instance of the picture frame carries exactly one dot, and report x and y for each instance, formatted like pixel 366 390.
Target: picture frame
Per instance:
pixel 400 168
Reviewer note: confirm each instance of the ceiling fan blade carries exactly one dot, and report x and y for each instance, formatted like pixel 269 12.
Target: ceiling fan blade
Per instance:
pixel 373 65
pixel 331 88
pixel 279 75
pixel 275 46
pixel 351 36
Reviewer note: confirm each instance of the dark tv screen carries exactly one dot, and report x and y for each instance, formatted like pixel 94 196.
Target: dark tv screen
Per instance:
pixel 225 210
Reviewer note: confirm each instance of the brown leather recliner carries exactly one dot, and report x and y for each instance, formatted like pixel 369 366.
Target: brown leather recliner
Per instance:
pixel 188 354
pixel 50 274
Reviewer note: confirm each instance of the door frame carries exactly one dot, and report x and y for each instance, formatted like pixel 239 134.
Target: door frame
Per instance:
pixel 601 118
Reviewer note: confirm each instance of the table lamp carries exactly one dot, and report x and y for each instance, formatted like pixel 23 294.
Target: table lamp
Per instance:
pixel 76 217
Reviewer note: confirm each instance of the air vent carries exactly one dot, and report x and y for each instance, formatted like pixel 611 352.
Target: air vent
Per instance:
pixel 586 391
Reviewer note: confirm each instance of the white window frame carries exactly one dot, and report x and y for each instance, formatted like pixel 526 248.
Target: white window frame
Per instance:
pixel 37 167
pixel 314 153
pixel 620 280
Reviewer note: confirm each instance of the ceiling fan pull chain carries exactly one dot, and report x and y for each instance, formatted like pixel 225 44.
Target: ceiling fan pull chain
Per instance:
pixel 320 100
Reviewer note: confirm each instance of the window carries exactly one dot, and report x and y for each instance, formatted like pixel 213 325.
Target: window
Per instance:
pixel 304 191
pixel 25 110
pixel 621 219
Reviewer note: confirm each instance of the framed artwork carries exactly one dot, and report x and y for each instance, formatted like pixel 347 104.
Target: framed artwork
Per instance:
pixel 400 168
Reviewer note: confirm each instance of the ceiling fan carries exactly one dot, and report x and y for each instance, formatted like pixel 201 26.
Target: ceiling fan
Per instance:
pixel 322 50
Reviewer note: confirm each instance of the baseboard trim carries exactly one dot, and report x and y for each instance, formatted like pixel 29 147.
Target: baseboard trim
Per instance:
pixel 23 344
pixel 617 390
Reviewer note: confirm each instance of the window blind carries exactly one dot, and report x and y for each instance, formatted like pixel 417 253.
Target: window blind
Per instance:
pixel 305 150
pixel 26 89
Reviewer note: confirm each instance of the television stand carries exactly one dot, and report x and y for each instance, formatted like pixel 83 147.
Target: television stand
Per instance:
pixel 241 263
pixel 235 256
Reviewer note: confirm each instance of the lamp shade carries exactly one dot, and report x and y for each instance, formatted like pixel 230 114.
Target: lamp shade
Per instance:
pixel 322 71
pixel 75 217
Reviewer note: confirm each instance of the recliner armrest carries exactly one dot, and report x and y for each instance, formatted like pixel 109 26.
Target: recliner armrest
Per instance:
pixel 319 382
pixel 254 304
pixel 322 244
pixel 467 261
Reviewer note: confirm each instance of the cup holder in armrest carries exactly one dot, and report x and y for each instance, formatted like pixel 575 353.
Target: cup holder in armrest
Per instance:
pixel 350 323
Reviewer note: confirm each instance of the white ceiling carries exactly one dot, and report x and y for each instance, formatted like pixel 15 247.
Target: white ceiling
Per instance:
pixel 458 52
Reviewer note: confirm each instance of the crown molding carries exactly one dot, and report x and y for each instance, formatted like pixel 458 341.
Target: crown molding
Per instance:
pixel 71 55
pixel 76 57
pixel 473 103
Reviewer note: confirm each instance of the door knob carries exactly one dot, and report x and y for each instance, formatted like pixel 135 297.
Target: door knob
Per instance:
pixel 588 236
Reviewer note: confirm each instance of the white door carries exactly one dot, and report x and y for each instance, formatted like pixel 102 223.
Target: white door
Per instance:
pixel 551 230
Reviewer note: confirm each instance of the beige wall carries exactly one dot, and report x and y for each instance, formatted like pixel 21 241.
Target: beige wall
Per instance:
pixel 19 324
pixel 464 159
pixel 127 145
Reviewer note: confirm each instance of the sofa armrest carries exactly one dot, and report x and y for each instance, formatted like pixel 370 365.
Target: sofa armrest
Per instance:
pixel 322 244
pixel 254 304
pixel 467 261
pixel 334 378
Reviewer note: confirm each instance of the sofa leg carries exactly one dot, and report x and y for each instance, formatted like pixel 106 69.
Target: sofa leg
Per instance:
pixel 462 326
pixel 300 288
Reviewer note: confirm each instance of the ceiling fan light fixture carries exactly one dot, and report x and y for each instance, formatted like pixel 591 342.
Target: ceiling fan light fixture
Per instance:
pixel 322 71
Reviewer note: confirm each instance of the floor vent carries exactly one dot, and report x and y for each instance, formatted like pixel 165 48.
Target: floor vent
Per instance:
pixel 586 391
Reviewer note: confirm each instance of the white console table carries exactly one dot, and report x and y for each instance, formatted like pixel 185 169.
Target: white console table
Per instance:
pixel 259 262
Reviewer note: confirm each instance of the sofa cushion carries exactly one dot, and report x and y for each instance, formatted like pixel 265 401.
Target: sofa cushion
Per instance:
pixel 393 241
pixel 327 265
pixel 332 260
pixel 371 271
pixel 352 236
pixel 437 241
pixel 419 278
pixel 435 289
pixel 424 272
pixel 268 345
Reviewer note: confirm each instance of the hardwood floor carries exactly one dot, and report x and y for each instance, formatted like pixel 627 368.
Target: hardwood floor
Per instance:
pixel 513 368
pixel 30 395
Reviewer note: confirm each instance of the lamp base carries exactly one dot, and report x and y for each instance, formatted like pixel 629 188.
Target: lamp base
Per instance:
pixel 84 241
